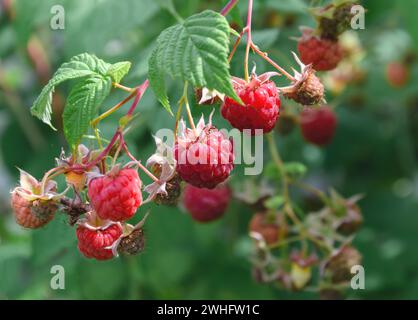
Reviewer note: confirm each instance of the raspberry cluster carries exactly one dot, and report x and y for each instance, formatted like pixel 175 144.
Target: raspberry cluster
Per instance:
pixel 196 169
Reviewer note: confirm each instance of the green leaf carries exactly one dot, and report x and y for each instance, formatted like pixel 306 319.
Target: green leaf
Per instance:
pixel 82 105
pixel 79 66
pixel 274 202
pixel 271 171
pixel 156 78
pixel 92 62
pixel 295 169
pixel 195 51
pixel 42 107
pixel 118 70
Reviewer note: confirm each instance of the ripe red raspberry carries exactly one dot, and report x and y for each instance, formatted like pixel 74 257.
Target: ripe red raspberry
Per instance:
pixel 318 125
pixel 397 74
pixel 261 105
pixel 206 205
pixel 117 195
pixel 95 242
pixel 32 214
pixel 323 54
pixel 204 157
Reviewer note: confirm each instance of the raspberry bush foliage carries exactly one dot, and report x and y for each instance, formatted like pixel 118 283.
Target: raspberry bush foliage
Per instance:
pixel 115 191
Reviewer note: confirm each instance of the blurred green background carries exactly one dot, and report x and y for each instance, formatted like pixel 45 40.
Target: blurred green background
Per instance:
pixel 374 152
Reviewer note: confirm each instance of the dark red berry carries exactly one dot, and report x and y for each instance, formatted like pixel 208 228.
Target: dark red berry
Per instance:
pixel 397 74
pixel 323 54
pixel 318 125
pixel 205 205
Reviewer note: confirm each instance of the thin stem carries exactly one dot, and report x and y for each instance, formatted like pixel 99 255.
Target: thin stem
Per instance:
pixel 116 155
pixel 138 163
pixel 186 103
pixel 139 91
pixel 119 86
pixel 249 39
pixel 274 64
pixel 98 138
pixel 237 42
pixel 288 206
pixel 105 152
pixel 284 242
pixel 251 45
pixel 178 118
pixel 228 7
pixel 279 164
pixel 91 137
pixel 321 195
pixel 104 115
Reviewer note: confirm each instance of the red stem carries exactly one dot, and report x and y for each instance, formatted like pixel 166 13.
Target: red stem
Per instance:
pixel 139 93
pixel 274 64
pixel 138 163
pixel 228 7
pixel 249 39
pixel 237 42
pixel 105 152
